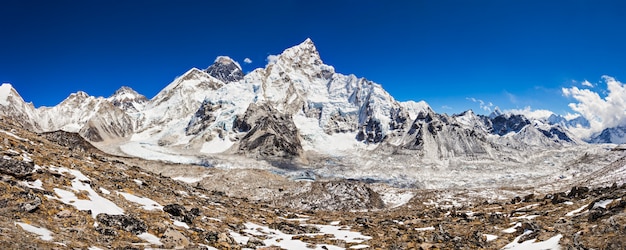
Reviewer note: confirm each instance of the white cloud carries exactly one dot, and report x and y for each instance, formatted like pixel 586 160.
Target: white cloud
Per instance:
pixel 601 112
pixel 570 116
pixel 587 83
pixel 247 60
pixel 486 106
pixel 530 113
pixel 272 58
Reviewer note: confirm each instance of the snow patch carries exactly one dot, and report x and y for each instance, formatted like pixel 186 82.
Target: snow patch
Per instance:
pixel 147 203
pixel 574 212
pixel 43 233
pixel 602 203
pixel 37 184
pixel 13 135
pixel 151 238
pixel 490 237
pixel 96 203
pixel 552 243
pixel 512 229
pixel 180 224
pixel 104 191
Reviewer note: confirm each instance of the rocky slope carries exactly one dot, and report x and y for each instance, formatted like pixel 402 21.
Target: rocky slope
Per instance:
pixel 59 197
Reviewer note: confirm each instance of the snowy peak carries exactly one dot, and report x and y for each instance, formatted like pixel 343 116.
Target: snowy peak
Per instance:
pixel 7 94
pixel 13 106
pixel 128 99
pixel 496 112
pixel 225 69
pixel 126 93
pixel 301 55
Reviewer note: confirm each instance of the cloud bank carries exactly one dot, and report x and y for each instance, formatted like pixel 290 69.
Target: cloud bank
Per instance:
pixel 602 112
pixel 540 114
pixel 247 60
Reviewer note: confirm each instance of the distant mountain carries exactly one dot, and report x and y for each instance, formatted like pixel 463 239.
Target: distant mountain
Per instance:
pixel 610 135
pixel 576 122
pixel 295 106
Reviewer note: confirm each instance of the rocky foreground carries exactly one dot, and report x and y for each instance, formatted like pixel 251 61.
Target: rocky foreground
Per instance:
pixel 59 192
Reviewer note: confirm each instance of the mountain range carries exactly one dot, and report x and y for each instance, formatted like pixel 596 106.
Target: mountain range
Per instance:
pixel 297 109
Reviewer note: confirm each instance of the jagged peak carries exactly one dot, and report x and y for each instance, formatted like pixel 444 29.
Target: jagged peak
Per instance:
pixel 225 69
pixel 226 60
pixel 305 52
pixel 496 112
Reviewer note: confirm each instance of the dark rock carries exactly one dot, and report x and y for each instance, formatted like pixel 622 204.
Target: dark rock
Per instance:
pixel 578 192
pixel 225 69
pixel 529 198
pixel 203 117
pixel 175 209
pixel 270 133
pixel 559 198
pixel 180 213
pixel 496 218
pixel 123 222
pixel 15 168
pixel 104 230
pixel 503 124
pixel 515 200
pixel 211 236
pixel 32 205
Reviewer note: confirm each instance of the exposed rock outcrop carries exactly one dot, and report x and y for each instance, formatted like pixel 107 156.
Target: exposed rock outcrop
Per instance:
pixel 269 133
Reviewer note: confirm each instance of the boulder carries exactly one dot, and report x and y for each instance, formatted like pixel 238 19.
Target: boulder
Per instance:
pixel 123 222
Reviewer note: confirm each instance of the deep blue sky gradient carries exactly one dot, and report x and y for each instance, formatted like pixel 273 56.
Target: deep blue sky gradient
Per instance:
pixel 511 53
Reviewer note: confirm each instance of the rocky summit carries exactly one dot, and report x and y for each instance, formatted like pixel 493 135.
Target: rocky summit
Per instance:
pixel 298 156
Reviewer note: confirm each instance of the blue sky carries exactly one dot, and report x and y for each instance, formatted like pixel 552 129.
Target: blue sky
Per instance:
pixel 512 54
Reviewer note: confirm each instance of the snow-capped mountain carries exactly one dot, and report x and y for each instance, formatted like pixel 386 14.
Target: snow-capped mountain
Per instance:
pixel 575 122
pixel 13 107
pixel 610 135
pixel 296 104
pixel 128 100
